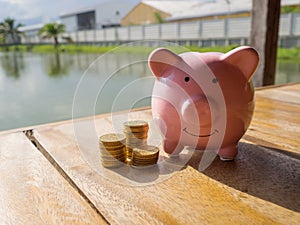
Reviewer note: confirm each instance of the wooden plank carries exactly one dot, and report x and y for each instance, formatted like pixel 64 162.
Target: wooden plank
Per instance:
pixel 284 94
pixel 21 129
pixel 264 37
pixel 276 121
pixel 186 197
pixel 33 192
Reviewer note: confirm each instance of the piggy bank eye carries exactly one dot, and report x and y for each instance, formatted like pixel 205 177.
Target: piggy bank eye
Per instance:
pixel 187 79
pixel 215 80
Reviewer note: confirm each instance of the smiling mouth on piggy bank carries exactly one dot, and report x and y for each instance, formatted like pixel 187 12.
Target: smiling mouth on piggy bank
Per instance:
pixel 195 135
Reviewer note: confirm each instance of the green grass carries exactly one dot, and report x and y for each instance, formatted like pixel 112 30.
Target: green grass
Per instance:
pixel 288 54
pixel 86 49
pixel 283 54
pixel 62 48
pixel 133 49
pixel 212 49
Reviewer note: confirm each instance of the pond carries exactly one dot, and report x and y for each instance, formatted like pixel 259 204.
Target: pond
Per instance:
pixel 42 88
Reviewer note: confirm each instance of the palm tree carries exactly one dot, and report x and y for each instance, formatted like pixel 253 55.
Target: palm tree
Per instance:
pixel 9 31
pixel 52 30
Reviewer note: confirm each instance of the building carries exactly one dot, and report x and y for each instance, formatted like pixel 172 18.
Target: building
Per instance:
pixel 31 33
pixel 147 12
pixel 106 14
pixel 154 11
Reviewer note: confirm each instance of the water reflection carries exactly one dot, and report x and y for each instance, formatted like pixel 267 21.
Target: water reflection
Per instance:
pixel 83 61
pixel 287 72
pixel 13 64
pixel 55 66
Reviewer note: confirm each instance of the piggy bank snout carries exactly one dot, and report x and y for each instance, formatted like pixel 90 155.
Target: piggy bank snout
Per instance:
pixel 196 112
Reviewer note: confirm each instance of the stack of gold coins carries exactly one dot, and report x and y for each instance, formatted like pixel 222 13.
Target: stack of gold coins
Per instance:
pixel 112 149
pixel 136 132
pixel 144 156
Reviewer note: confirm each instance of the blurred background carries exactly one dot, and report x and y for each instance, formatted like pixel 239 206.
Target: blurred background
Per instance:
pixel 47 49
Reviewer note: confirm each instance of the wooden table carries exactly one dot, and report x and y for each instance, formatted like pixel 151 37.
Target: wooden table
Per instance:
pixel 51 174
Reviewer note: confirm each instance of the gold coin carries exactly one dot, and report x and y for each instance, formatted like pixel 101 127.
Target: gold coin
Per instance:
pixel 148 155
pixel 135 140
pixel 116 154
pixel 136 123
pixel 112 138
pixel 136 145
pixel 112 159
pixel 136 126
pixel 112 150
pixel 136 135
pixel 111 147
pixel 135 130
pixel 139 157
pixel 147 151
pixel 145 159
pixel 106 157
pixel 142 165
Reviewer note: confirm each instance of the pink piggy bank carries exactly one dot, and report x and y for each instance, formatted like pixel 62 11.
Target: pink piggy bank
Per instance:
pixel 203 100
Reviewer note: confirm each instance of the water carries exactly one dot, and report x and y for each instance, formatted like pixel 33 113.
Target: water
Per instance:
pixel 42 88
pixel 287 72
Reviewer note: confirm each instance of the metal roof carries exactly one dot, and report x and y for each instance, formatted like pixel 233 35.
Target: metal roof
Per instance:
pixel 180 9
pixel 103 5
pixel 31 27
pixel 173 7
pixel 214 8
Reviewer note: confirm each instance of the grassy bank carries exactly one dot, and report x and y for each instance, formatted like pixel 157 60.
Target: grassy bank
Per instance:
pixel 283 54
pixel 61 48
pixel 288 54
pixel 103 49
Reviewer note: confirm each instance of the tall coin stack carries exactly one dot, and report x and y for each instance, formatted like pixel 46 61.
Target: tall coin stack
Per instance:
pixel 112 149
pixel 136 132
pixel 145 157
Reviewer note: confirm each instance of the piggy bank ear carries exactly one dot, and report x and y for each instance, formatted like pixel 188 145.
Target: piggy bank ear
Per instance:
pixel 161 59
pixel 245 58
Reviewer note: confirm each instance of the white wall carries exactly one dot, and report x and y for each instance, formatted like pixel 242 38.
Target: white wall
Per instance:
pixel 70 22
pixel 106 12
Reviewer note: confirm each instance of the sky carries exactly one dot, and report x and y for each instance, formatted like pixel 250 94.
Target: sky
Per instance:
pixel 32 11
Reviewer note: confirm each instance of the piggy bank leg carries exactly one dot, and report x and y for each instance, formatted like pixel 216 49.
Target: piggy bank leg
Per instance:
pixel 228 153
pixel 173 148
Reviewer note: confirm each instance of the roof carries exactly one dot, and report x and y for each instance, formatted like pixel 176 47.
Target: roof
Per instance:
pixel 173 7
pixel 77 11
pixel 180 9
pixel 107 5
pixel 214 8
pixel 31 27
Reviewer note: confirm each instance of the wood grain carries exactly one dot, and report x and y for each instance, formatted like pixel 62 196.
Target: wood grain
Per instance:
pixel 241 192
pixel 33 192
pixel 184 197
pixel 276 121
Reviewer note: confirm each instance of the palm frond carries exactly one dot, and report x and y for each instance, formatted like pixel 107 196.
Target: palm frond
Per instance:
pixel 52 30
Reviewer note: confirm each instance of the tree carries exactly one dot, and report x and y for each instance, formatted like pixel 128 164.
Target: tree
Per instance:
pixel 158 18
pixel 9 31
pixel 52 30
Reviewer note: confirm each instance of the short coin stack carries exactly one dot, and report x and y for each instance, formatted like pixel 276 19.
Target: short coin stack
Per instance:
pixel 112 149
pixel 146 156
pixel 136 132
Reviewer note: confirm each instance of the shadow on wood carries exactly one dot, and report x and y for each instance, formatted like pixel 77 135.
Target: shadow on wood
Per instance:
pixel 260 172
